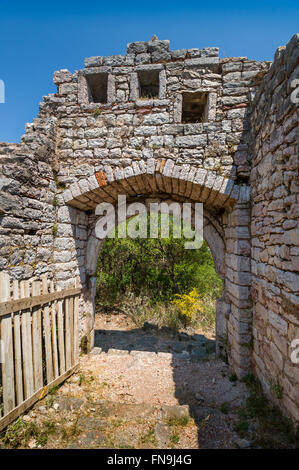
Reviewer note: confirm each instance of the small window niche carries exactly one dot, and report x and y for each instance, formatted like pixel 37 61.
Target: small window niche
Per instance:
pixel 97 87
pixel 194 107
pixel 148 84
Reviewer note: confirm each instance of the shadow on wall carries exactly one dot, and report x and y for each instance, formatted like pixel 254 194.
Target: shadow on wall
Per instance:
pixel 180 347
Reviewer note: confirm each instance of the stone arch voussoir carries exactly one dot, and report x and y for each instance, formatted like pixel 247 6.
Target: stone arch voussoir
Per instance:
pixel 155 177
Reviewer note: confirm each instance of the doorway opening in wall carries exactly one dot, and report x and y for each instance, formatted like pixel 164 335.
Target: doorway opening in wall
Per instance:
pixel 159 282
pixel 194 107
pixel 97 87
pixel 155 333
pixel 148 84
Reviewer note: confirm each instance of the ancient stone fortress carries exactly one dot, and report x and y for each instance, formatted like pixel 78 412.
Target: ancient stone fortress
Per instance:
pixel 181 125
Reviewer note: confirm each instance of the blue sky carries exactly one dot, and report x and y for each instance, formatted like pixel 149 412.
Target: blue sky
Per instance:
pixel 38 38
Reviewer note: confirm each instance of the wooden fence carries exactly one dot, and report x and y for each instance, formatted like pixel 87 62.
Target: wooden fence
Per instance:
pixel 39 341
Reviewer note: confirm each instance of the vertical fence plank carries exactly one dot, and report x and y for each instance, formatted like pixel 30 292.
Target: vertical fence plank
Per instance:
pixel 27 343
pixel 71 305
pixel 18 348
pixel 76 325
pixel 8 359
pixel 47 330
pixel 54 334
pixel 68 359
pixel 37 339
pixel 60 323
pixel 28 336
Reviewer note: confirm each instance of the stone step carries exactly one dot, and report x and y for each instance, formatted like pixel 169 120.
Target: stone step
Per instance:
pixel 105 409
pixel 109 417
pixel 195 353
pixel 97 419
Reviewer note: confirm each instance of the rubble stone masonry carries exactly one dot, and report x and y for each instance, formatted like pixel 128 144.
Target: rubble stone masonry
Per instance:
pixel 274 227
pixel 162 125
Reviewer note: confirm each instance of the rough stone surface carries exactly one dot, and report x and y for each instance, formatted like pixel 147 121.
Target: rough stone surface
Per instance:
pixel 241 162
pixel 274 227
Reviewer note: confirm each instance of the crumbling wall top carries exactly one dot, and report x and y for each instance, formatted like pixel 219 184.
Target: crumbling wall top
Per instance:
pixel 152 51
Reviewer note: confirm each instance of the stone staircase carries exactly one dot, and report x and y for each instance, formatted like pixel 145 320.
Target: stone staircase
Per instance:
pixel 106 424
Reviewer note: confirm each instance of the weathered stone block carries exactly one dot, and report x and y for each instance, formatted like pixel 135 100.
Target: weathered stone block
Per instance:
pixel 191 141
pixel 279 323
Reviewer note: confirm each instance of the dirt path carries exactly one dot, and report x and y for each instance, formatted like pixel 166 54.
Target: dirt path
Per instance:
pixel 139 388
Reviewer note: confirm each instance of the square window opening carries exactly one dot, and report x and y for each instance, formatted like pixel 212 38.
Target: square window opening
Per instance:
pixel 97 87
pixel 148 84
pixel 194 107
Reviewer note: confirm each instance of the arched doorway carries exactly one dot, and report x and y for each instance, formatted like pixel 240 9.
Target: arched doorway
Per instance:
pixel 226 216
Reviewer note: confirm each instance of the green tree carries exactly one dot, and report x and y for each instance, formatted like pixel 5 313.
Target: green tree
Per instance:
pixel 159 268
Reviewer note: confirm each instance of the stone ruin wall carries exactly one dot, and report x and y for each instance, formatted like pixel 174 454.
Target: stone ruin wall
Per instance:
pixel 73 139
pixel 275 228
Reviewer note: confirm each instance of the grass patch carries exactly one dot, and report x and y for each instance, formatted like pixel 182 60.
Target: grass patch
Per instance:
pixel 180 421
pixel 174 438
pixel 274 430
pixel 233 378
pixel 116 422
pixel 49 401
pixel 242 427
pixel 277 389
pixel 69 431
pixel 177 423
pixel 82 378
pixel 89 388
pixel 149 437
pixel 53 390
pixel 224 408
pixel 97 112
pixel 85 379
pixel 141 309
pixel 19 433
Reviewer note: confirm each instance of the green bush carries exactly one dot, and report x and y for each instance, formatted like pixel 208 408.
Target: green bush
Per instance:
pixel 157 269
